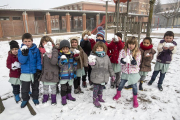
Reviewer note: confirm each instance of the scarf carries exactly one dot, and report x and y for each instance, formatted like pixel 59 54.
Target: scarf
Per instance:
pixel 146 47
pixel 101 53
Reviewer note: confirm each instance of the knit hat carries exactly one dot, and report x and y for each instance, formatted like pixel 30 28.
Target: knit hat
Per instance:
pixel 59 39
pixel 100 32
pixel 13 44
pixel 64 43
pixel 74 38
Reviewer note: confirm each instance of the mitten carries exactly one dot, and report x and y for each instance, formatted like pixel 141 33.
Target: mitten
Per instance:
pixel 122 61
pixel 48 47
pixel 37 74
pixel 133 62
pixel 25 50
pixel 76 53
pixel 92 63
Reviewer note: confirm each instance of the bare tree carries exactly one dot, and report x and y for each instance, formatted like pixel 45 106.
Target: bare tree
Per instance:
pixel 171 12
pixel 157 6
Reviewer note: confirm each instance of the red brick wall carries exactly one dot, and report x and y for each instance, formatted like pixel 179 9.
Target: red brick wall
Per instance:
pixel 97 7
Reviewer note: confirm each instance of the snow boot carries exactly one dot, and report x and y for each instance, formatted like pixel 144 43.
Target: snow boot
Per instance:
pixel 45 98
pixel 96 102
pixel 80 91
pixel 53 99
pixel 135 102
pixel 150 82
pixel 69 97
pixel 100 98
pixel 117 96
pixel 84 85
pixel 140 86
pixel 64 102
pixel 23 104
pixel 160 87
pixel 36 102
pixel 76 91
pixel 128 87
pixel 17 98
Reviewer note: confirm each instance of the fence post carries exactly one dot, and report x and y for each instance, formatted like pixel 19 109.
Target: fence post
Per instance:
pixel 48 22
pixel 1 32
pixel 84 21
pixel 25 21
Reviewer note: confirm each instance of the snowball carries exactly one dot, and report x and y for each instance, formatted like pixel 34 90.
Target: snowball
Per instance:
pixel 24 47
pixel 92 58
pixel 168 45
pixel 63 57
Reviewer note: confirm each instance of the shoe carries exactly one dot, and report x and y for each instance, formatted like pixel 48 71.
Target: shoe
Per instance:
pixel 135 102
pixel 53 99
pixel 45 98
pixel 64 102
pixel 23 104
pixel 69 97
pixel 150 82
pixel 140 86
pixel 117 96
pixel 128 87
pixel 80 91
pixel 100 98
pixel 160 87
pixel 84 85
pixel 76 91
pixel 17 98
pixel 36 102
pixel 96 102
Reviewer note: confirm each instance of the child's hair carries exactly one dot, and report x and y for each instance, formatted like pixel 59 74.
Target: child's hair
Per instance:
pixel 119 34
pixel 27 36
pixel 148 38
pixel 132 40
pixel 100 44
pixel 169 33
pixel 86 32
pixel 46 39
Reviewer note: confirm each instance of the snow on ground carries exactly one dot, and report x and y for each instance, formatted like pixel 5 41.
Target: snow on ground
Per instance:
pixel 153 104
pixel 163 30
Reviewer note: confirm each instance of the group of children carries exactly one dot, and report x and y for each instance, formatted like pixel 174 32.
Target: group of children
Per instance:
pixel 66 62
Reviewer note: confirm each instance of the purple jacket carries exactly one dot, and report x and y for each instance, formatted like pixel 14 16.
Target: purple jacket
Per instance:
pixel 165 56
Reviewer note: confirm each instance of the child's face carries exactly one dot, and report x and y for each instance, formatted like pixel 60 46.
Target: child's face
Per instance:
pixel 146 42
pixel 131 46
pixel 119 38
pixel 14 51
pixel 99 49
pixel 44 43
pixel 74 43
pixel 28 42
pixel 65 50
pixel 99 37
pixel 168 39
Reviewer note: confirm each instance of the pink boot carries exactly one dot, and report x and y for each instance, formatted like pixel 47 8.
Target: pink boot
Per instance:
pixel 117 96
pixel 135 102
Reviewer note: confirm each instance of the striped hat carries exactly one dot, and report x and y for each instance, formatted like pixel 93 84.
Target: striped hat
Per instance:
pixel 100 32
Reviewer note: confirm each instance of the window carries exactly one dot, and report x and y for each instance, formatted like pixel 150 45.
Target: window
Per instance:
pixel 4 18
pixel 16 18
pixel 38 18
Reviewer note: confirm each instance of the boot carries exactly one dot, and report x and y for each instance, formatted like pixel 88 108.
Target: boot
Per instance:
pixel 140 85
pixel 76 91
pixel 92 87
pixel 45 98
pixel 53 99
pixel 17 98
pixel 84 85
pixel 64 102
pixel 150 82
pixel 80 91
pixel 117 96
pixel 23 104
pixel 36 102
pixel 160 87
pixel 100 98
pixel 96 103
pixel 135 102
pixel 69 97
pixel 128 87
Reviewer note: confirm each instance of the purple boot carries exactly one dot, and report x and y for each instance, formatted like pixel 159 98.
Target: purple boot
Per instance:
pixel 96 102
pixel 45 98
pixel 53 99
pixel 100 98
pixel 69 97
pixel 64 100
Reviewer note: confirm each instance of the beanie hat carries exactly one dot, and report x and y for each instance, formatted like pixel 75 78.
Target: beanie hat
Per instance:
pixel 64 43
pixel 100 32
pixel 59 39
pixel 13 44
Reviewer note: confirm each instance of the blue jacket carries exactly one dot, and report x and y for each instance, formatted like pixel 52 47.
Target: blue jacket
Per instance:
pixel 30 63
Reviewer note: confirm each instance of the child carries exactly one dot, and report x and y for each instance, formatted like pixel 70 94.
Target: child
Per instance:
pixel 50 70
pixel 58 40
pixel 166 48
pixel 68 67
pixel 30 59
pixel 87 45
pixel 82 61
pixel 129 58
pixel 101 70
pixel 147 54
pixel 14 66
pixel 115 47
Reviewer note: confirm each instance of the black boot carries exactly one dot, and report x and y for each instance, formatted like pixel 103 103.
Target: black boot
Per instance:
pixel 160 87
pixel 140 85
pixel 128 87
pixel 150 82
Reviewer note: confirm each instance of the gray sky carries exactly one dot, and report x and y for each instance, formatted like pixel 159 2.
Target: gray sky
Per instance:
pixel 39 4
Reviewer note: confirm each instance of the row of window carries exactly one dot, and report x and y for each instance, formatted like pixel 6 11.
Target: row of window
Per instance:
pixel 19 18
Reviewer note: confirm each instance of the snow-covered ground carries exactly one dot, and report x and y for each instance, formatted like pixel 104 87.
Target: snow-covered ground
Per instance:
pixel 163 30
pixel 153 104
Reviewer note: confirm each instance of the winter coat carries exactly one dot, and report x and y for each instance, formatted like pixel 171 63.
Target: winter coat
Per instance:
pixel 32 62
pixel 87 45
pixel 11 59
pixel 68 69
pixel 82 60
pixel 101 70
pixel 50 69
pixel 115 48
pixel 128 68
pixel 165 56
pixel 145 65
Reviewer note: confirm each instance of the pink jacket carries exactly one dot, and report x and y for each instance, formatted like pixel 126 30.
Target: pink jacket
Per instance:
pixel 128 68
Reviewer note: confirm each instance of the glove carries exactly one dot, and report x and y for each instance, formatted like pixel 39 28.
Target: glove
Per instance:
pixel 133 62
pixel 63 61
pixel 37 74
pixel 48 47
pixel 122 61
pixel 75 55
pixel 91 63
pixel 25 50
pixel 112 79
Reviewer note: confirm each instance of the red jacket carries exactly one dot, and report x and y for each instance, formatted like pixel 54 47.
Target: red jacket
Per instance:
pixel 11 59
pixel 115 48
pixel 92 41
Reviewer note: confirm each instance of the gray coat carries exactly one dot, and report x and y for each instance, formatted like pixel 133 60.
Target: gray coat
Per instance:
pixel 50 69
pixel 102 70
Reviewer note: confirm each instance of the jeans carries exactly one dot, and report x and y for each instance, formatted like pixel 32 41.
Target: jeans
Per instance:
pixel 161 78
pixel 122 83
